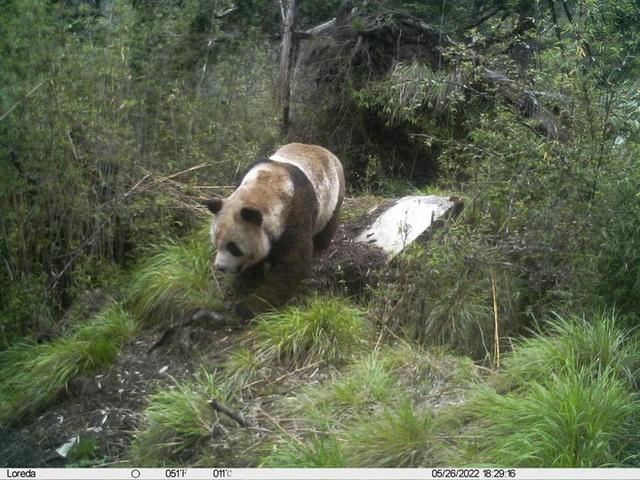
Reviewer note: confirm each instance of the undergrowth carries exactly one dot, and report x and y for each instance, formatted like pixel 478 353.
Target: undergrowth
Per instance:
pixel 380 412
pixel 363 385
pixel 322 452
pixel 399 436
pixel 570 421
pixel 32 375
pixel 324 329
pixel 175 281
pixel 574 344
pixel 177 422
pixel 563 399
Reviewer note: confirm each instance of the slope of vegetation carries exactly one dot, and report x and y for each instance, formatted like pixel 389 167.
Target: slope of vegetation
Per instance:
pixel 509 337
pixel 33 375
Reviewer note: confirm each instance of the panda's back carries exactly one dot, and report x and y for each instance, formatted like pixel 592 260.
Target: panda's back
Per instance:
pixel 324 171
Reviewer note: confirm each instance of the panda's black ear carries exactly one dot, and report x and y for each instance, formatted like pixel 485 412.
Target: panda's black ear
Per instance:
pixel 214 204
pixel 251 215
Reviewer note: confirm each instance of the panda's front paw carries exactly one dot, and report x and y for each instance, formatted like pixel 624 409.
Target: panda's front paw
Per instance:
pixel 242 311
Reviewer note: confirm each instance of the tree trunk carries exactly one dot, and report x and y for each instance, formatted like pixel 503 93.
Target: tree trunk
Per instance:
pixel 286 64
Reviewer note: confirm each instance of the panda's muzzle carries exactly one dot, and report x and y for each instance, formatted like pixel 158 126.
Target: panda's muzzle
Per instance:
pixel 226 269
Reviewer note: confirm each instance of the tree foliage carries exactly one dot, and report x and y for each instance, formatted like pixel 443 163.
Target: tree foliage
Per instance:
pixel 527 108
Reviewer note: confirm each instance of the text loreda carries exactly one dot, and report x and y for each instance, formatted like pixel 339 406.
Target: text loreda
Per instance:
pixel 21 473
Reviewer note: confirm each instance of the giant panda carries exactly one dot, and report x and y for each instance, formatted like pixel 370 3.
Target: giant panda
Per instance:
pixel 285 210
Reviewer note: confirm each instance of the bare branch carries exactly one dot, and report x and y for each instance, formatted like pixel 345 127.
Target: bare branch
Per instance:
pixel 228 412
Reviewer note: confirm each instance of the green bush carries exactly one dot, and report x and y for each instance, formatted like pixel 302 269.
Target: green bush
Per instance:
pixel 618 258
pixel 94 176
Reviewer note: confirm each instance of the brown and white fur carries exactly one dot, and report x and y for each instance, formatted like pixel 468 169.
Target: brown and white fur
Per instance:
pixel 285 209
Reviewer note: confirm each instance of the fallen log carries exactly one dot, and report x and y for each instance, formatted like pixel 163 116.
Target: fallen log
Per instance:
pixel 404 221
pixel 364 246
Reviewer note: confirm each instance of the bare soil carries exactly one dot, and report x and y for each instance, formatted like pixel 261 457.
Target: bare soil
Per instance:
pixel 106 407
pixel 347 265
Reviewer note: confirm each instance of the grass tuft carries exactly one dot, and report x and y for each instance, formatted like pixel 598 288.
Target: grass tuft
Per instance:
pixel 242 368
pixel 399 436
pixel 176 280
pixel 33 375
pixel 327 329
pixel 323 452
pixel 366 383
pixel 175 422
pixel 572 345
pixel 562 400
pixel 574 421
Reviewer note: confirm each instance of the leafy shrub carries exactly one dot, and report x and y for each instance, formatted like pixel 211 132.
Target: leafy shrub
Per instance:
pixel 618 257
pixel 94 177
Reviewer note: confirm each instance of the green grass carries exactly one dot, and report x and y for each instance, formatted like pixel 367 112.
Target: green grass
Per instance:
pixel 176 422
pixel 365 384
pixel 176 280
pixel 399 436
pixel 574 344
pixel 418 366
pixel 443 295
pixel 242 368
pixel 322 452
pixel 564 399
pixel 572 421
pixel 325 329
pixel 395 436
pixel 33 375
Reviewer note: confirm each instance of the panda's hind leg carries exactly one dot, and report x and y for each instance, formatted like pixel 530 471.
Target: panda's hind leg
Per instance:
pixel 322 240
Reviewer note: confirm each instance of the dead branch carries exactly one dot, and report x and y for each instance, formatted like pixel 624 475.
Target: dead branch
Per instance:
pixel 228 412
pixel 287 54
pixel 219 321
pixel 13 107
pixel 230 11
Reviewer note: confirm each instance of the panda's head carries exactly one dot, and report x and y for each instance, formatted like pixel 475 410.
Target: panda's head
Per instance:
pixel 238 235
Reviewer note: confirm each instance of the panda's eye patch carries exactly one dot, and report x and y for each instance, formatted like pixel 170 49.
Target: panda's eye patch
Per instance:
pixel 233 249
